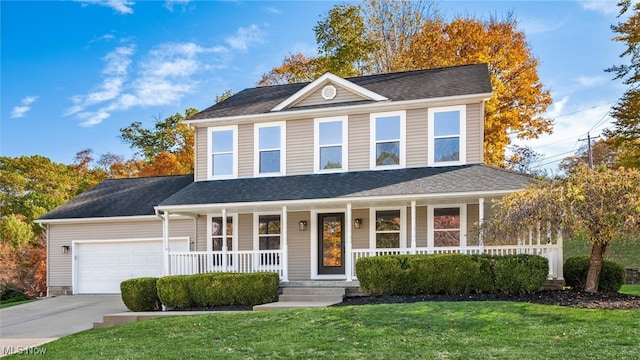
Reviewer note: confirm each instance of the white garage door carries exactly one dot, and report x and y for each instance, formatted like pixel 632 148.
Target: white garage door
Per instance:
pixel 102 266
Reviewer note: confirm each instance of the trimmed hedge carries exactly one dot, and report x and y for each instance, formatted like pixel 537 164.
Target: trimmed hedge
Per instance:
pixel 217 289
pixel 612 276
pixel 450 274
pixel 424 274
pixel 140 294
pixel 520 274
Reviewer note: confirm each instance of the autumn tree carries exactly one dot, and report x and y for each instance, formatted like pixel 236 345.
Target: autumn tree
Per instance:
pixel 166 149
pixel 625 134
pixel 522 159
pixel 603 153
pixel 604 204
pixel 408 35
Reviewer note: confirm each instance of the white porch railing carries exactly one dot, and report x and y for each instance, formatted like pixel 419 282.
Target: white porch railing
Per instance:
pixel 550 252
pixel 249 261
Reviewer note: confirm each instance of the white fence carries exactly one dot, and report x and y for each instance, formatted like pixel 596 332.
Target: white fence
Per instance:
pixel 196 262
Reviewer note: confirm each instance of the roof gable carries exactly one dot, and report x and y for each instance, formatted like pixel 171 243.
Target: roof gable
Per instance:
pixel 322 85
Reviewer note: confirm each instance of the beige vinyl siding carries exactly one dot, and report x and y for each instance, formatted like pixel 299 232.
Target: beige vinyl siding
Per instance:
pixel 421 227
pixel 201 240
pixel 417 137
pixel 64 234
pixel 245 150
pixel 472 223
pixel 300 147
pixel 359 142
pixel 299 246
pixel 315 98
pixel 360 237
pixel 201 168
pixel 474 133
pixel 245 232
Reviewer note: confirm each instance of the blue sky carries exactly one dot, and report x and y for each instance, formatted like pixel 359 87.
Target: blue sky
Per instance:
pixel 74 72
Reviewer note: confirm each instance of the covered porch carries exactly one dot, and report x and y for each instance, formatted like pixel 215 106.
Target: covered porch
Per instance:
pixel 307 242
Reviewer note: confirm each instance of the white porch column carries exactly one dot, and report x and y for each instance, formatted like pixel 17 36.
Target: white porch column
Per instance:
pixel 413 227
pixel 224 240
pixel 348 264
pixel 560 256
pixel 165 244
pixel 284 230
pixel 480 220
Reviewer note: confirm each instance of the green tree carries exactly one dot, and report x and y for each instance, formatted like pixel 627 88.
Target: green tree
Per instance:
pixel 625 134
pixel 167 148
pixel 604 204
pixel 14 231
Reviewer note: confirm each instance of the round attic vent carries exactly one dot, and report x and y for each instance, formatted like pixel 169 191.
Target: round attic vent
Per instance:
pixel 329 92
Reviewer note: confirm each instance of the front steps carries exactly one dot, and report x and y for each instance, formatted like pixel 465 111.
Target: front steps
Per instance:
pixel 294 297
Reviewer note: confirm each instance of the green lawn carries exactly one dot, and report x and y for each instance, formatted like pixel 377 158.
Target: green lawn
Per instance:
pixel 625 251
pixel 448 330
pixel 630 289
pixel 14 303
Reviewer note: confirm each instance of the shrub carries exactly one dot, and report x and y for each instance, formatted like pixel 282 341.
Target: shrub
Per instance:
pixel 173 291
pixel 521 274
pixel 11 293
pixel 140 294
pixel 220 289
pixel 612 276
pixel 424 274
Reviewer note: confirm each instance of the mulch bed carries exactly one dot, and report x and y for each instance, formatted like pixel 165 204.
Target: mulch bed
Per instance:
pixel 570 298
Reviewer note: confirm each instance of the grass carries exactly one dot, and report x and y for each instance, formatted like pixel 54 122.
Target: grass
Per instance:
pixel 451 330
pixel 13 303
pixel 630 289
pixel 625 251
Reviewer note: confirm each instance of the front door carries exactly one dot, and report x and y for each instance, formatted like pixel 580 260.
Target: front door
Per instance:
pixel 331 244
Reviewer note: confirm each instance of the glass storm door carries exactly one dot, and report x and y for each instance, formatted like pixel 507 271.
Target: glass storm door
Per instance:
pixel 331 256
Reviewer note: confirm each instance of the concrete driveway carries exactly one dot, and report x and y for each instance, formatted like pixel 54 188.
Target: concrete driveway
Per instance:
pixel 38 322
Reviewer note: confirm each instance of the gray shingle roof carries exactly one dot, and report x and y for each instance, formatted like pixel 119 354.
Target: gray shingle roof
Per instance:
pixel 410 85
pixel 414 181
pixel 120 197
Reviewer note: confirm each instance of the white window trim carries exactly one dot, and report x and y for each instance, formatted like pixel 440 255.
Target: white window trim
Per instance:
pixel 463 135
pixel 256 148
pixel 256 237
pixel 431 227
pixel 234 236
pixel 372 140
pixel 403 225
pixel 210 130
pixel 345 144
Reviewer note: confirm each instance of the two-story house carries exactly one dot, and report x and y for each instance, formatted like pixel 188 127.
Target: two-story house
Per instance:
pixel 302 180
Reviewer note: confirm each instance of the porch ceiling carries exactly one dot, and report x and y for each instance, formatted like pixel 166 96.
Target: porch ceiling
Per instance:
pixel 428 185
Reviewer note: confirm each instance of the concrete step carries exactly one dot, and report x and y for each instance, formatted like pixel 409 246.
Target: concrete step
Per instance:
pixel 310 298
pixel 281 305
pixel 323 291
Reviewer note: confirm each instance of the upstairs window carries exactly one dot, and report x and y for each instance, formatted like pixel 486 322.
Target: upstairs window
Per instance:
pixel 447 135
pixel 388 140
pixel 330 144
pixel 223 147
pixel 269 149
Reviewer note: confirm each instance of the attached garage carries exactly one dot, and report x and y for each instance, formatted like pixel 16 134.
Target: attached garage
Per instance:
pixel 100 266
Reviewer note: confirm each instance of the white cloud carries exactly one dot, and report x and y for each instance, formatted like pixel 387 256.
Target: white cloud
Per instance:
pixel 273 10
pixel 121 6
pixel 164 76
pixel 539 26
pixel 169 4
pixel 607 7
pixel 245 37
pixel 21 110
pixel 591 81
pixel 115 74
